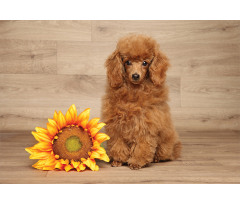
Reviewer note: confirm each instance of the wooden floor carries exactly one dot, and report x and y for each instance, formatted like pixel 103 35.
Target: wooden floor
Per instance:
pixel 208 157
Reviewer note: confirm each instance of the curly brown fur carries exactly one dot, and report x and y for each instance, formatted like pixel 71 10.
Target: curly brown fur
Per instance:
pixel 134 108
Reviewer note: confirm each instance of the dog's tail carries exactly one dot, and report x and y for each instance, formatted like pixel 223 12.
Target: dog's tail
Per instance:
pixel 177 150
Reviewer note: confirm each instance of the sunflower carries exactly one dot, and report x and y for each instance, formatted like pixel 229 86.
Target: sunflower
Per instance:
pixel 69 142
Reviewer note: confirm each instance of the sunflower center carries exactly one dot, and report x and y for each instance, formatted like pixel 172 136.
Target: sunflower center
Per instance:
pixel 73 144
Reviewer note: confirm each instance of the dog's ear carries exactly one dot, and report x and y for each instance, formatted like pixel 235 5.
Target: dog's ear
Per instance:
pixel 158 68
pixel 114 69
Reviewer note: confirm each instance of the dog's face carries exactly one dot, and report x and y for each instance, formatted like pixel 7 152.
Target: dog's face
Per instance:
pixel 136 70
pixel 136 57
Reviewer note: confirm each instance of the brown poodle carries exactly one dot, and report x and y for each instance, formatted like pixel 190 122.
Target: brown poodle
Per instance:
pixel 135 106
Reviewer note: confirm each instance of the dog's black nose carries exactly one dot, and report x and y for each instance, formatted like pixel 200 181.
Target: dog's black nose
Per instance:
pixel 135 76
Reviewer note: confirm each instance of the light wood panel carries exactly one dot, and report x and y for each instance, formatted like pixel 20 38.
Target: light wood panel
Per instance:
pixel 46 30
pixel 29 117
pixel 24 57
pixel 43 90
pixel 28 100
pixel 211 59
pixel 174 86
pixel 49 65
pixel 170 31
pixel 86 58
pixel 212 92
pixel 193 59
pixel 208 119
pixel 208 157
pixel 203 59
pixel 32 88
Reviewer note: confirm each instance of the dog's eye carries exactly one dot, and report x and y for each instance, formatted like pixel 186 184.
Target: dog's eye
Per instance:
pixel 128 62
pixel 144 63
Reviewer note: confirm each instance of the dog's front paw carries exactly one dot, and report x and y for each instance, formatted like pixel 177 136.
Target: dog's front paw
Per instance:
pixel 134 166
pixel 116 164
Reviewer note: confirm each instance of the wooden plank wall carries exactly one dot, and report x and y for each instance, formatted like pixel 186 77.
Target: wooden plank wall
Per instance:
pixel 49 65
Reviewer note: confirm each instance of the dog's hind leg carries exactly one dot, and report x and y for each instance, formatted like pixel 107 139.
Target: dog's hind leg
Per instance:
pixel 169 147
pixel 143 151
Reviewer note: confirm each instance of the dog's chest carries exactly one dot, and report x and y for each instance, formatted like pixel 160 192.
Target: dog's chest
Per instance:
pixel 131 117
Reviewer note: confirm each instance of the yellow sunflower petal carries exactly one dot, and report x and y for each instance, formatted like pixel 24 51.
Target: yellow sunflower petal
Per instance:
pixel 55 116
pixel 37 167
pixel 96 144
pixel 52 130
pixel 43 146
pixel 91 163
pixel 41 137
pixel 96 168
pixel 73 112
pixel 30 150
pixel 41 130
pixel 101 137
pixel 81 167
pixel 100 150
pixel 105 158
pixel 51 161
pixel 83 118
pixel 48 168
pixel 61 120
pixel 68 118
pixel 93 166
pixel 92 123
pixel 98 127
pixel 53 123
pixel 75 164
pixel 66 161
pixel 59 165
pixel 39 164
pixel 94 131
pixel 85 161
pixel 95 155
pixel 40 155
pixel 68 168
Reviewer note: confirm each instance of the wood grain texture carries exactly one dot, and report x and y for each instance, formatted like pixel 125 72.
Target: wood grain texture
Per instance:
pixel 46 30
pixel 49 65
pixel 174 87
pixel 28 117
pixel 203 59
pixel 29 99
pixel 34 87
pixel 207 119
pixel 28 89
pixel 170 31
pixel 202 92
pixel 86 58
pixel 28 57
pixel 185 58
pixel 208 157
pixel 211 60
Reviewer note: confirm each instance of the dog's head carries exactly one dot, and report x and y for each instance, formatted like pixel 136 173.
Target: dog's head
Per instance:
pixel 136 58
